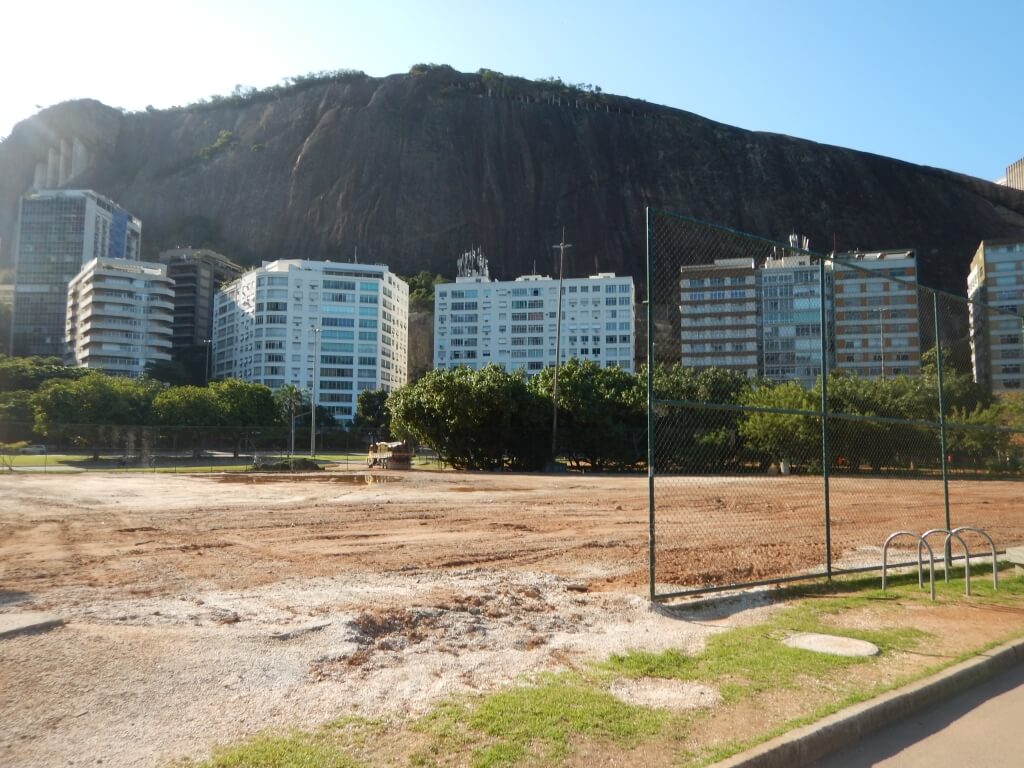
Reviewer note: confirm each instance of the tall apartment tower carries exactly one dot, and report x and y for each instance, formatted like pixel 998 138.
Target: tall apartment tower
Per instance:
pixel 198 274
pixel 876 314
pixel 328 328
pixel 720 322
pixel 996 279
pixel 119 316
pixel 59 231
pixel 514 323
pixel 791 332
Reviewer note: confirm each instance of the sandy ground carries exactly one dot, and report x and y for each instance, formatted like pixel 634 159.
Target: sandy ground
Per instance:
pixel 201 609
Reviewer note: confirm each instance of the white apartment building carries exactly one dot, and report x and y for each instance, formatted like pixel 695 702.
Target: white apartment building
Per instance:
pixel 995 286
pixel 514 323
pixel 119 316
pixel 59 232
pixel 330 328
pixel 719 316
pixel 877 330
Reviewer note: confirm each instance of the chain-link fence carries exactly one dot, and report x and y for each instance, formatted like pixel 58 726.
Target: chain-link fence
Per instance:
pixel 106 447
pixel 804 406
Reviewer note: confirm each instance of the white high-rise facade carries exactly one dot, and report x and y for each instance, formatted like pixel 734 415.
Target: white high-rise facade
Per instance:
pixel 514 323
pixel 119 316
pixel 334 329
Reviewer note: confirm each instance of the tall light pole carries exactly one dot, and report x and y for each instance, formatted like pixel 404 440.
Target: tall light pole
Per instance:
pixel 881 339
pixel 558 347
pixel 206 369
pixel 312 395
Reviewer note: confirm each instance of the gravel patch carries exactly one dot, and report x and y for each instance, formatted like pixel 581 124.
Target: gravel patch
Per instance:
pixel 140 681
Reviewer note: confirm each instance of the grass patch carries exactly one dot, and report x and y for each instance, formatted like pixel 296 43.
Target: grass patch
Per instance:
pixel 749 660
pixel 533 723
pixel 549 713
pixel 298 750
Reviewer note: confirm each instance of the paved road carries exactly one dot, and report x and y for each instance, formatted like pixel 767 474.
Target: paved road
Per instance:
pixel 980 728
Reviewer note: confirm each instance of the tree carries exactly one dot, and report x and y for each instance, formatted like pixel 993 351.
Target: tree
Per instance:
pixel 190 412
pixel 291 401
pixel 16 415
pixel 372 413
pixel 29 373
pixel 774 436
pixel 421 290
pixel 245 409
pixel 485 419
pixel 602 414
pixel 93 409
pixel 691 436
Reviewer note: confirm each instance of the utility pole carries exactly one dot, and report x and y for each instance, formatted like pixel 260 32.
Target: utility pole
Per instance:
pixel 558 347
pixel 312 395
pixel 881 341
pixel 206 369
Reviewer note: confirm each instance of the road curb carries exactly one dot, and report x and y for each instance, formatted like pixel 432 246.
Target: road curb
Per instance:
pixel 803 746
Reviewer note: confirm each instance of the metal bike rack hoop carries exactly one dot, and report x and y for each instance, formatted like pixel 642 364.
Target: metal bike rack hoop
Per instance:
pixel 992 545
pixel 931 559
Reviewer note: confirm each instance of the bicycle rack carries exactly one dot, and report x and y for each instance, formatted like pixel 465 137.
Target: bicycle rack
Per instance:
pixel 967 554
pixel 920 561
pixel 992 545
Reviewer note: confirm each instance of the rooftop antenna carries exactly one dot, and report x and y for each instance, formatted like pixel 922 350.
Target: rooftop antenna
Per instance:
pixel 473 263
pixel 355 255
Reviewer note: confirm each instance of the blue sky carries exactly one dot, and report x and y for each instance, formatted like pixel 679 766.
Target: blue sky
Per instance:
pixel 936 82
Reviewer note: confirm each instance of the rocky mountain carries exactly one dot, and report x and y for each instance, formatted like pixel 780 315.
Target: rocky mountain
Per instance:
pixel 413 169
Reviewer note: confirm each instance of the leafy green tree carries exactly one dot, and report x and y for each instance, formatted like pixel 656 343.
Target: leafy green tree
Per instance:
pixel 421 290
pixel 28 373
pixel 94 409
pixel 977 439
pixel 245 409
pixel 485 419
pixel 602 414
pixel 291 402
pixel 694 437
pixel 372 413
pixel 16 415
pixel 776 436
pixel 190 412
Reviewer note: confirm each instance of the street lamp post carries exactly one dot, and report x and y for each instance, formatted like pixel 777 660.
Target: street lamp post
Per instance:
pixel 558 349
pixel 206 368
pixel 312 397
pixel 881 340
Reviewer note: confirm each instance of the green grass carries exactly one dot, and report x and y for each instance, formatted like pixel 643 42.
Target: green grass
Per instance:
pixel 295 751
pixel 547 714
pixel 749 660
pixel 44 460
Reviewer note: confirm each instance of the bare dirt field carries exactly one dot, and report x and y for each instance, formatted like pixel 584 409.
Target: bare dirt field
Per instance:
pixel 202 609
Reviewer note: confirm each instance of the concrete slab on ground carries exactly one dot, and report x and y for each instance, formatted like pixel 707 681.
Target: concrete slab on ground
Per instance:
pixel 833 644
pixel 1015 555
pixel 13 624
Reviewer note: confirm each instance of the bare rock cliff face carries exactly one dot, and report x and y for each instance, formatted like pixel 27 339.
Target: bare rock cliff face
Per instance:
pixel 414 169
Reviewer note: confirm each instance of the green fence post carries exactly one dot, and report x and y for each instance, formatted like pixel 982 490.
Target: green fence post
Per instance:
pixel 942 426
pixel 824 421
pixel 650 406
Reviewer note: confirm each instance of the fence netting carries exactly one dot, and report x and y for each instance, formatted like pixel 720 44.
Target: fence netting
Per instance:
pixel 805 406
pixel 163 448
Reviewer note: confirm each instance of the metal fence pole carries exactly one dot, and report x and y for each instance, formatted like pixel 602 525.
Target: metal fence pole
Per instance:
pixel 824 421
pixel 942 425
pixel 650 406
